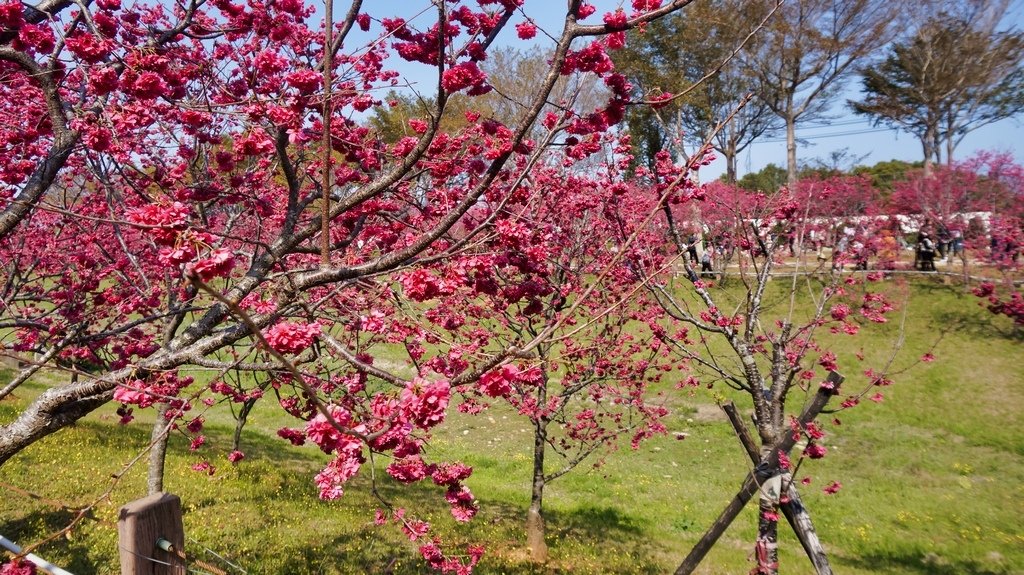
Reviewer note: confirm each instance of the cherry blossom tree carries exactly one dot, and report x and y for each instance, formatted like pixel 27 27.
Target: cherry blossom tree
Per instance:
pixel 773 362
pixel 190 186
pixel 588 352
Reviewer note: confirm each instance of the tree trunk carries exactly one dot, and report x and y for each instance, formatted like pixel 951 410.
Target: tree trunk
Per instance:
pixel 797 515
pixel 730 154
pixel 243 417
pixel 535 531
pixel 754 478
pixel 766 548
pixel 158 451
pixel 928 143
pixel 791 171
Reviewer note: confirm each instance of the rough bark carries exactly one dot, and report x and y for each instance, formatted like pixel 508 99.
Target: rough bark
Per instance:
pixel 791 170
pixel 766 549
pixel 535 531
pixel 730 161
pixel 53 410
pixel 928 143
pixel 38 183
pixel 158 451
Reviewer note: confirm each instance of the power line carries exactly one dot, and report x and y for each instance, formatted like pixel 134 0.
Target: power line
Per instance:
pixel 835 124
pixel 834 135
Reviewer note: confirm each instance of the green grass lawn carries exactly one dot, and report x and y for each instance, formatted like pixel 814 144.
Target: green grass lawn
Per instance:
pixel 933 480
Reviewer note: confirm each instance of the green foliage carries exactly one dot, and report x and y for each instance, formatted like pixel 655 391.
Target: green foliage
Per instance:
pixel 930 476
pixel 768 179
pixel 692 52
pixel 885 174
pixel 391 121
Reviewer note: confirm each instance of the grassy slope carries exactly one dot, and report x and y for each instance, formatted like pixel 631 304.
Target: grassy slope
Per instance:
pixel 933 479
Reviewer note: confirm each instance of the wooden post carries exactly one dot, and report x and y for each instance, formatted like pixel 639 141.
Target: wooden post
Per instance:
pixel 754 479
pixel 794 510
pixel 140 525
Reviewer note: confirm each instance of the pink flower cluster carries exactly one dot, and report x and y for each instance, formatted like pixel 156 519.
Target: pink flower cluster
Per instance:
pixel 287 337
pixel 498 382
pixel 465 75
pixel 18 567
pixel 219 263
pixel 420 285
pixel 526 30
pixel 437 560
pixel 163 223
pixel 156 390
pixel 424 403
pixel 347 449
pixel 815 450
pixel 134 392
pixel 644 5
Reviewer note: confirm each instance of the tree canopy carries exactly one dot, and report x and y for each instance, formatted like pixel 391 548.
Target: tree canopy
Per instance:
pixel 955 74
pixel 692 58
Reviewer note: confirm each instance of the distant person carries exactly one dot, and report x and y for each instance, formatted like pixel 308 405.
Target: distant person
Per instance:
pixel 860 255
pixel 926 251
pixel 945 241
pixel 691 248
pixel 706 270
pixel 957 245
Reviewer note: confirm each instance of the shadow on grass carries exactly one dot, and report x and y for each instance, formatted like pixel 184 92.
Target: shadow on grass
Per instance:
pixel 925 564
pixel 977 323
pixel 50 521
pixel 593 522
pixel 579 542
pixel 313 538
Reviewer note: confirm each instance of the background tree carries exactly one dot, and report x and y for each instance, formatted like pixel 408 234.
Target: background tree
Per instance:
pixel 695 55
pixel 511 74
pixel 956 73
pixel 886 173
pixel 807 50
pixel 768 179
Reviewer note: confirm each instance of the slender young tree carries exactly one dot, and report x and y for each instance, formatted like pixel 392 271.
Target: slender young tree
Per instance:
pixel 584 386
pixel 777 362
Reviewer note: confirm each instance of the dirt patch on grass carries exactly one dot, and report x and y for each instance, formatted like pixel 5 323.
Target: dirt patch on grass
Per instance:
pixel 707 413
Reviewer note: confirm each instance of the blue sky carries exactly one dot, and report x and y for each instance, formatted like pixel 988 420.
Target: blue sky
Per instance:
pixel 840 130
